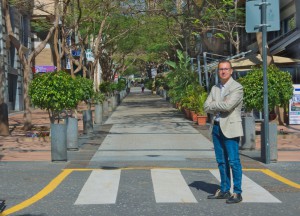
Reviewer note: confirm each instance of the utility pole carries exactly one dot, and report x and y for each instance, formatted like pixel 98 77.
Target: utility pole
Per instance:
pixel 259 17
pixel 265 79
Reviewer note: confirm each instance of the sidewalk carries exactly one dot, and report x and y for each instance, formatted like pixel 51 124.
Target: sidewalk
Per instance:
pixel 19 146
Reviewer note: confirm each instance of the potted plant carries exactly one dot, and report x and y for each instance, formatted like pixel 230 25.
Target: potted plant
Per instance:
pixel 280 91
pixel 179 78
pixel 98 99
pixel 55 92
pixel 280 88
pixel 85 89
pixel 201 115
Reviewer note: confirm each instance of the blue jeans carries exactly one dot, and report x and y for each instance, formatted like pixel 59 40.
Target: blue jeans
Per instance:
pixel 227 156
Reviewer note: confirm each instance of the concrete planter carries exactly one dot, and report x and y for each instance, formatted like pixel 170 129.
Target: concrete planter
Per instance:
pixel 105 108
pixel 72 133
pixel 98 113
pixel 248 140
pixel 273 152
pixel 118 97
pixel 87 121
pixel 58 142
pixel 110 104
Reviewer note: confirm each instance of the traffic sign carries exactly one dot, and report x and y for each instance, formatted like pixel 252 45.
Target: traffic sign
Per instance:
pixel 254 18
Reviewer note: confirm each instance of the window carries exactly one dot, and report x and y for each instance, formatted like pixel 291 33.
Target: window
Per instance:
pixel 288 24
pixel 24 30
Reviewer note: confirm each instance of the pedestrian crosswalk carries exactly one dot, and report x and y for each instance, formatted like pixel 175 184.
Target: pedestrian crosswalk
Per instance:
pixel 100 188
pixel 168 186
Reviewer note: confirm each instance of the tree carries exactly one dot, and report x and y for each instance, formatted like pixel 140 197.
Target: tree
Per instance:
pixel 224 18
pixel 25 55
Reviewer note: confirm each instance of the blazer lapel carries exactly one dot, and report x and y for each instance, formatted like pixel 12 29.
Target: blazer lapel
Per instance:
pixel 227 88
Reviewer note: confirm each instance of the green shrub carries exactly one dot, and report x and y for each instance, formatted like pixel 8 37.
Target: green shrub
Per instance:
pixel 54 92
pixel 121 85
pixel 85 89
pixel 280 88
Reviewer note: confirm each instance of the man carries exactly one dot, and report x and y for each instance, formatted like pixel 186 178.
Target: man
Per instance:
pixel 225 102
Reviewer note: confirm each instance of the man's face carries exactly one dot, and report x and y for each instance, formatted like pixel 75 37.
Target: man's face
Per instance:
pixel 225 72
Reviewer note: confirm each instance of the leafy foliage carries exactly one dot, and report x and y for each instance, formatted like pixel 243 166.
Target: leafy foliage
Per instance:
pixel 54 92
pixel 280 88
pixel 105 87
pixel 98 97
pixel 121 84
pixel 183 85
pixel 84 88
pixel 109 88
pixel 180 77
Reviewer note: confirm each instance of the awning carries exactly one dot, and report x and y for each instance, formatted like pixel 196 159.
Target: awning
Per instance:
pixel 256 59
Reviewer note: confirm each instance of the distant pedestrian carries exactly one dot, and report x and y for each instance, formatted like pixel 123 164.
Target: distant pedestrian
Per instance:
pixel 143 87
pixel 224 103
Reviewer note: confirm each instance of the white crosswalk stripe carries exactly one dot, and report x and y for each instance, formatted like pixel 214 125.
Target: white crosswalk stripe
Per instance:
pixel 252 192
pixel 100 188
pixel 169 186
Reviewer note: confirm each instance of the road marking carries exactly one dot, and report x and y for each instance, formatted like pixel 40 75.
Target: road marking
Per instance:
pixel 66 172
pixel 280 178
pixel 170 187
pixel 100 188
pixel 40 195
pixel 252 192
pixel 265 171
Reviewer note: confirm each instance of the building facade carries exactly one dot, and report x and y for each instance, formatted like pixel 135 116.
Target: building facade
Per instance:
pixel 11 67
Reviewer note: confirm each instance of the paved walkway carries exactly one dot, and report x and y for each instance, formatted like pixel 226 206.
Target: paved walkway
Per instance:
pixel 21 146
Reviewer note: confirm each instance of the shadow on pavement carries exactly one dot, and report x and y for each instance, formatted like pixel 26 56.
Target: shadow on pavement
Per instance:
pixel 204 186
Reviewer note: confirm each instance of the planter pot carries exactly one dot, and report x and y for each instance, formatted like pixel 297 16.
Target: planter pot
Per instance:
pixel 72 133
pixel 201 120
pixel 98 113
pixel 194 116
pixel 58 142
pixel 248 140
pixel 105 108
pixel 272 116
pixel 110 104
pixel 87 121
pixel 164 94
pixel 272 151
pixel 118 98
pixel 187 113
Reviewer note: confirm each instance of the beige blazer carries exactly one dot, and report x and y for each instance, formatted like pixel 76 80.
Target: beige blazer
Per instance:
pixel 229 106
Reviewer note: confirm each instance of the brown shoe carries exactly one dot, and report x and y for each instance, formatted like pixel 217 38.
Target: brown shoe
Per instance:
pixel 235 198
pixel 219 195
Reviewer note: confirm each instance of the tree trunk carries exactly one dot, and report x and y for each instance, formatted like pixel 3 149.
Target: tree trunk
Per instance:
pixel 27 111
pixel 57 48
pixel 270 59
pixel 4 126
